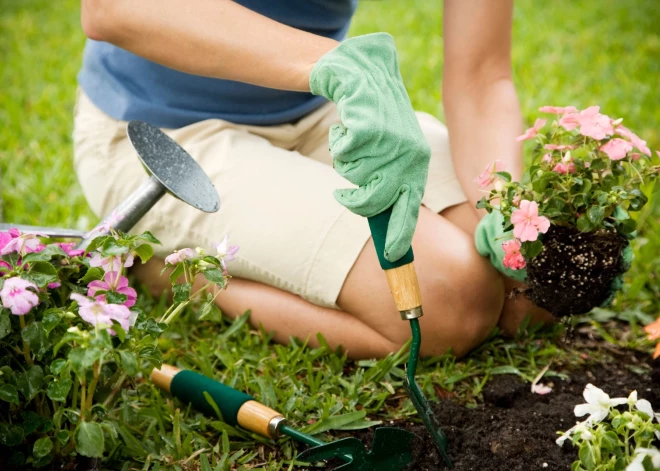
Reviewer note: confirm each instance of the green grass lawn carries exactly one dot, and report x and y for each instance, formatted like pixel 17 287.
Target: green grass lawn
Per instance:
pixel 579 52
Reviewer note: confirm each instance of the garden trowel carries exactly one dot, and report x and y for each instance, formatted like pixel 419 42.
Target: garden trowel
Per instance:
pixel 171 170
pixel 391 449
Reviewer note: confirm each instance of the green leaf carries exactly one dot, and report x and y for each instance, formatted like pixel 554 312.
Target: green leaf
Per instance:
pixel 51 318
pixel 596 214
pixel 5 325
pixel 506 176
pixel 177 272
pixel 181 292
pixel 42 447
pixel 531 249
pixel 628 226
pixel 11 435
pixel 151 354
pixel 63 437
pixel 36 337
pixel 542 183
pixel 93 274
pixel 8 393
pixel 32 422
pixel 149 237
pixel 210 311
pixel 57 366
pixel 145 252
pixel 586 457
pixel 505 370
pixel 82 359
pixel 41 462
pixel 29 382
pixel 42 273
pixel 214 275
pixel 620 214
pixel 483 203
pixel 114 297
pixel 584 224
pixel 128 362
pixel 89 439
pixel 111 248
pixel 598 164
pixel 45 255
pixel 59 390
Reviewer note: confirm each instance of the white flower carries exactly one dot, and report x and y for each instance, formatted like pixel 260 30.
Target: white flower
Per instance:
pixel 225 252
pixel 581 427
pixel 540 388
pixel 640 454
pixel 598 404
pixel 644 406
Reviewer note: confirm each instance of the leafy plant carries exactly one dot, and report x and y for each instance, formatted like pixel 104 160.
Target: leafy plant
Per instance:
pixel 72 338
pixel 614 440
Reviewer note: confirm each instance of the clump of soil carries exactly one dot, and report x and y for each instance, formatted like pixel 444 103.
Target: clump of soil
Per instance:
pixel 574 271
pixel 515 430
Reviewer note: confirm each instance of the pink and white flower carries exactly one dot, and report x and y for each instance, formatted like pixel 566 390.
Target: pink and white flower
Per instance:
pixel 617 148
pixel 594 124
pixel 533 131
pixel 69 249
pixel 111 263
pixel 112 282
pixel 99 313
pixel 17 296
pixel 179 256
pixel 487 177
pixel 559 147
pixel 563 168
pixel 635 140
pixel 225 252
pixel 547 158
pixel 558 109
pixel 527 223
pixel 23 244
pixel 513 259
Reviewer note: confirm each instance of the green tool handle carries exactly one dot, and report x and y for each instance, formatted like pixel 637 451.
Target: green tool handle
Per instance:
pixel 401 275
pixel 237 408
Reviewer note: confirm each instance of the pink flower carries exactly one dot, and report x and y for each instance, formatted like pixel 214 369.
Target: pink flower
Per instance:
pixel 101 313
pixel 593 124
pixel 516 201
pixel 527 223
pixel 69 249
pixel 559 147
pixel 635 156
pixel 512 257
pixel 17 297
pixel 105 226
pixel 4 267
pixel 225 252
pixel 569 121
pixel 112 282
pixel 616 148
pixel 634 139
pixel 547 159
pixel 5 238
pixel 111 263
pixel 23 244
pixel 558 109
pixel 533 131
pixel 563 168
pixel 487 177
pixel 179 256
pixel 540 388
pixel 54 285
pixel 587 164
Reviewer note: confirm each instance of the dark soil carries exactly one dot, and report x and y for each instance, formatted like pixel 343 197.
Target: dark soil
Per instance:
pixel 574 271
pixel 515 430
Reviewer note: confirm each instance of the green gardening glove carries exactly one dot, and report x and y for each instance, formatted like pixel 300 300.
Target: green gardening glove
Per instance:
pixel 489 237
pixel 379 146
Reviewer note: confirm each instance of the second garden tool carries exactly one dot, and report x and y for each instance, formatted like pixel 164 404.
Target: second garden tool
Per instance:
pixel 402 278
pixel 390 450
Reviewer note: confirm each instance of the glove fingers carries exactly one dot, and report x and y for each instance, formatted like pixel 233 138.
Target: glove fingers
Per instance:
pixel 401 227
pixel 358 172
pixel 367 200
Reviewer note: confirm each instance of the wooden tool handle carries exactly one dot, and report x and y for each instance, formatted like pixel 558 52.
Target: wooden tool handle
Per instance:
pixel 237 408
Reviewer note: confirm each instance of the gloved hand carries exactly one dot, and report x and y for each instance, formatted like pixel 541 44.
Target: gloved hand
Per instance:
pixel 490 235
pixel 379 146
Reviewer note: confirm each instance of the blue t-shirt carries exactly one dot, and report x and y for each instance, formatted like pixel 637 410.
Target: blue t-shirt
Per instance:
pixel 126 86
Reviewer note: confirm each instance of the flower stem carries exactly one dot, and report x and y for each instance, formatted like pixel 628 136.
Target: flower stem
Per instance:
pixel 26 347
pixel 92 386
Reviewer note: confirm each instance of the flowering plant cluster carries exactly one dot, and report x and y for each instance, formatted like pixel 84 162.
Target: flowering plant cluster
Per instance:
pixel 73 338
pixel 587 172
pixel 611 439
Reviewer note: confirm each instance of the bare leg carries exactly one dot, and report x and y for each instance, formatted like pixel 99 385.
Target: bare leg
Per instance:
pixel 463 297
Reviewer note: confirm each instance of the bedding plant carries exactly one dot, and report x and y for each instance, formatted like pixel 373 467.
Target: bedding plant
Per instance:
pixel 72 339
pixel 567 224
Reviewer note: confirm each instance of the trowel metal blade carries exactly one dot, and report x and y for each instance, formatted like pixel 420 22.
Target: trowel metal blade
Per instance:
pixel 168 162
pixel 58 232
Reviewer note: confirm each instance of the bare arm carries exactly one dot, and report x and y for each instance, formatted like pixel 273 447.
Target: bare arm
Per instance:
pixel 481 105
pixel 214 38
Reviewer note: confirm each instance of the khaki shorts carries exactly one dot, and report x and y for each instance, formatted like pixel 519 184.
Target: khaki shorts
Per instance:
pixel 276 194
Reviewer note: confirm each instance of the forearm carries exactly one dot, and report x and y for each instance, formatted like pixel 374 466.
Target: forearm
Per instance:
pixel 483 118
pixel 213 38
